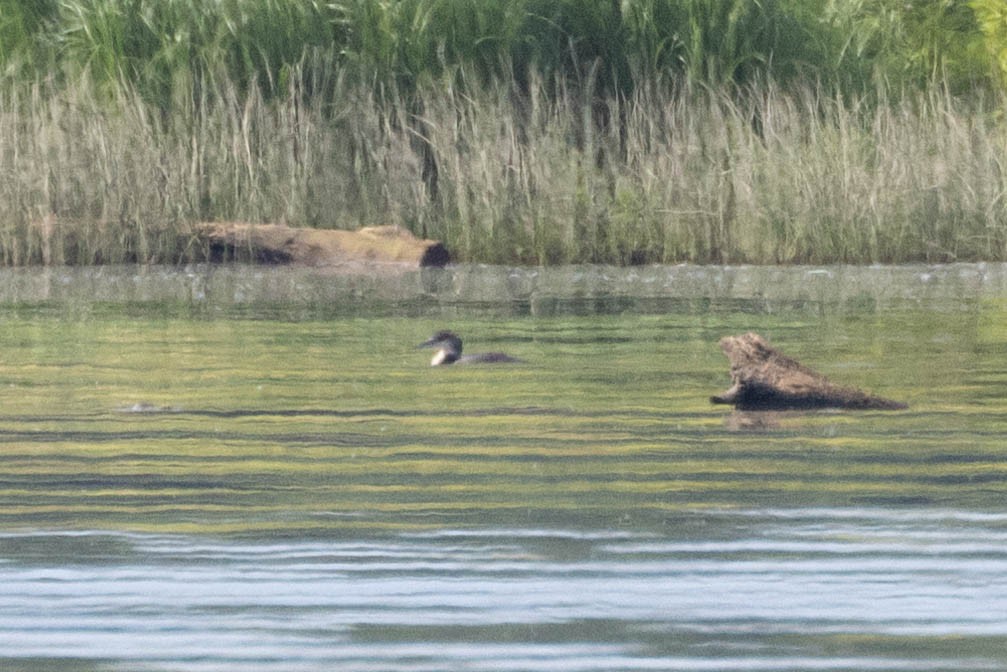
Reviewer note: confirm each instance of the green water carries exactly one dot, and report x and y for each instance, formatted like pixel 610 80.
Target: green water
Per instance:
pixel 308 425
pixel 305 422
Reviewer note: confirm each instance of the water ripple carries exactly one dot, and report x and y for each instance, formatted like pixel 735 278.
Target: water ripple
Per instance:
pixel 811 589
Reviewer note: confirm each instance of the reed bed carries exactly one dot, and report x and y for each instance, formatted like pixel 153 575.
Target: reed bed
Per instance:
pixel 674 174
pixel 532 131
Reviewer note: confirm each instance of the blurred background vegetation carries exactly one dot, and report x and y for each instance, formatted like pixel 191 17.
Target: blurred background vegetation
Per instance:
pixel 161 45
pixel 527 131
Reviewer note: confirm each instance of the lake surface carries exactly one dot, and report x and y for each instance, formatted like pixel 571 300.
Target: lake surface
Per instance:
pixel 245 468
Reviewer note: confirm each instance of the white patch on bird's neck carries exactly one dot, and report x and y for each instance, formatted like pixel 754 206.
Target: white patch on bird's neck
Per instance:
pixel 439 358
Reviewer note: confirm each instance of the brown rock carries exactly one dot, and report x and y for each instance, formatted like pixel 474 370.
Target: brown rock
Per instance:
pixel 765 379
pixel 281 244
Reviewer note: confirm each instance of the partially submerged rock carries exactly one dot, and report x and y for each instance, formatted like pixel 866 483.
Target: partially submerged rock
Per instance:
pixel 280 244
pixel 765 379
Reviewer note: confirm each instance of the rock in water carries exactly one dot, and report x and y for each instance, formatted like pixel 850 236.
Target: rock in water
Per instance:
pixel 765 379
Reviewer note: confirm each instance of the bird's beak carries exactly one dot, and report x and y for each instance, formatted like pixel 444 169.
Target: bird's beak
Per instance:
pixel 426 344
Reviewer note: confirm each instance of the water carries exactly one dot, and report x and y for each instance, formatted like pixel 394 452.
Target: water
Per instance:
pixel 817 589
pixel 254 469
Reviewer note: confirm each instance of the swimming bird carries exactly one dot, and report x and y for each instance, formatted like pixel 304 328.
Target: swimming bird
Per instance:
pixel 449 351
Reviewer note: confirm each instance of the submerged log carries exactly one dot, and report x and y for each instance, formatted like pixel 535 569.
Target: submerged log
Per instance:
pixel 280 244
pixel 765 379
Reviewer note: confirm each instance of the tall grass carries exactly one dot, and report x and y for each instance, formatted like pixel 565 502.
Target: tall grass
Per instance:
pixel 403 43
pixel 764 175
pixel 531 131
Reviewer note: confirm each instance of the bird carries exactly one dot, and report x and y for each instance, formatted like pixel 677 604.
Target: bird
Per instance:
pixel 449 351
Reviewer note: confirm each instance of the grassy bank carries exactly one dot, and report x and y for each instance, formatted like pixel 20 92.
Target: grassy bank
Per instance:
pixel 534 131
pixel 761 176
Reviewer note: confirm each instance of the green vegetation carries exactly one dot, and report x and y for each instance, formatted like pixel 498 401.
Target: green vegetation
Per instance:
pixel 532 131
pixel 992 16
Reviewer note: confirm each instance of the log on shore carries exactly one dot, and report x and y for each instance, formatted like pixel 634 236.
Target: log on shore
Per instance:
pixel 280 244
pixel 765 379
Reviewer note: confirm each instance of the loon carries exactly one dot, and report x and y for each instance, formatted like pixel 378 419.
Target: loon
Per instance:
pixel 449 351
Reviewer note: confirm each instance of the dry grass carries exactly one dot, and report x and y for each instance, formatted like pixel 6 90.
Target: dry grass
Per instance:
pixel 664 176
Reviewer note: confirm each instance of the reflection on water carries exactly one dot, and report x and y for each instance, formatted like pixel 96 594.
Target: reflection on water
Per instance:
pixel 254 469
pixel 569 290
pixel 863 589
